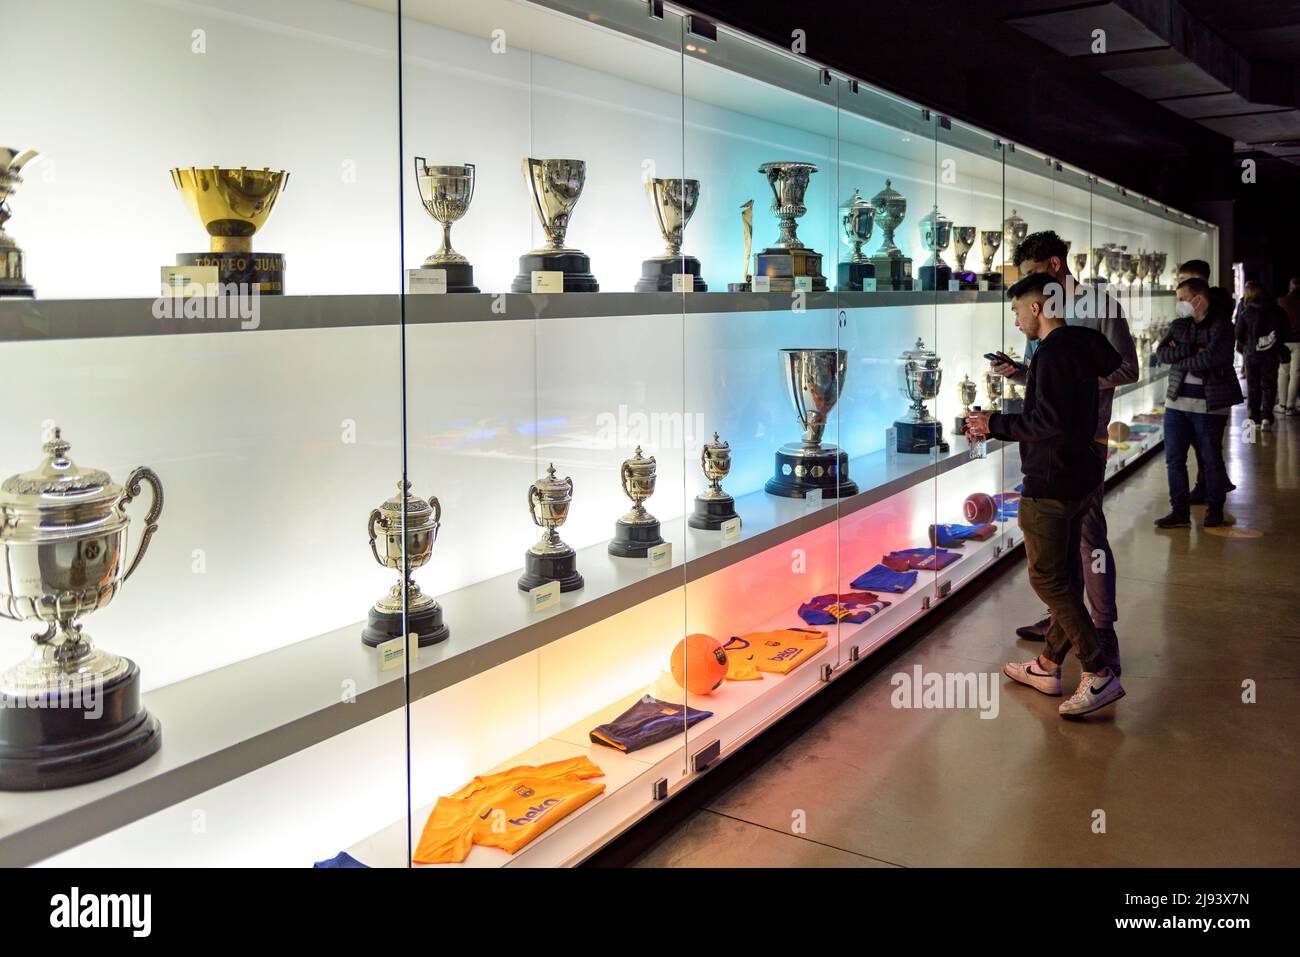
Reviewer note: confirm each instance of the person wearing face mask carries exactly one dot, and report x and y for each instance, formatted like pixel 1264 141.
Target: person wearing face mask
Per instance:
pixel 1203 388
pixel 1062 470
pixel 1091 307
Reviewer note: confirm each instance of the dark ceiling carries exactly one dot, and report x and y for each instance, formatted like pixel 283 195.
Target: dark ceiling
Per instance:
pixel 1185 90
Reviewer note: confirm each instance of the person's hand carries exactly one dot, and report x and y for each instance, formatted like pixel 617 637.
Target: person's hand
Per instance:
pixel 978 422
pixel 1004 369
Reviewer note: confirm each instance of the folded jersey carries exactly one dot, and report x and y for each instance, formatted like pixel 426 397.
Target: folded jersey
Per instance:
pixel 854 607
pixel 341 859
pixel 881 578
pixel 647 722
pixel 925 559
pixel 780 651
pixel 954 536
pixel 507 809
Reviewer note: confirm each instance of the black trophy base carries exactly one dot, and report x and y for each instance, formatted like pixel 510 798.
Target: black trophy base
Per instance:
pixel 918 438
pixel 893 272
pixel 59 742
pixel 265 270
pixel 634 541
pixel 460 276
pixel 540 569
pixel 994 279
pixel 382 626
pixel 935 277
pixel 784 267
pixel 712 513
pixel 797 475
pixel 740 287
pixel 965 280
pixel 1012 406
pixel 851 275
pixel 575 265
pixel 657 274
pixel 14 289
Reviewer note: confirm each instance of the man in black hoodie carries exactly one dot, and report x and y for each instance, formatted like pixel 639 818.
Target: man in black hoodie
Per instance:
pixel 1062 469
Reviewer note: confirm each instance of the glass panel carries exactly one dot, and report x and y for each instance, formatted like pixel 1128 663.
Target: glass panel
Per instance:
pixel 267 408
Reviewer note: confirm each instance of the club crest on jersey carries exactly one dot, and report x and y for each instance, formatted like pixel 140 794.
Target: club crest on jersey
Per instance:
pixel 523 790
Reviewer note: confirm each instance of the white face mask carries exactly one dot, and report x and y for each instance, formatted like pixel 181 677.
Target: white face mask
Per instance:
pixel 1184 309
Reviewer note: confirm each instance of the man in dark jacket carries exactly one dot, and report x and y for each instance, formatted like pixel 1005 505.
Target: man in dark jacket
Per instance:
pixel 1222 304
pixel 1202 389
pixel 1288 373
pixel 1061 470
pixel 1260 329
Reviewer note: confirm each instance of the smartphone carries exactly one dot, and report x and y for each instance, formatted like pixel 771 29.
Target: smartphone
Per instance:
pixel 1003 357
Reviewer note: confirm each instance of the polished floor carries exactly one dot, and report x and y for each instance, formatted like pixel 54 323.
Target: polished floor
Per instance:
pixel 1181 772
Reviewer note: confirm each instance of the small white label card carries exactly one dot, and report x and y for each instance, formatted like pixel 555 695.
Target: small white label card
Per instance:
pixel 661 556
pixel 891 445
pixel 393 651
pixel 762 284
pixel 191 281
pixel 984 285
pixel 544 596
pixel 731 529
pixel 869 285
pixel 813 499
pixel 954 285
pixel 426 282
pixel 683 282
pixel 548 280
pixel 803 282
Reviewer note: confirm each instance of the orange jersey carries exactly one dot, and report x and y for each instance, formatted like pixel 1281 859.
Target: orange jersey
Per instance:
pixel 507 809
pixel 781 651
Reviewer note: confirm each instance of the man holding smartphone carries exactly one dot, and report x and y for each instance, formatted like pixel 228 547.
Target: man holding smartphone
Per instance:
pixel 1062 471
pixel 1090 307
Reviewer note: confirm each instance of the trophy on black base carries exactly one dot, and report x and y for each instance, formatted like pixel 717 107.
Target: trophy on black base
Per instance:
pixel 446 192
pixel 893 269
pixel 550 559
pixel 936 230
pixel 1014 231
pixel 967 391
pixel 990 243
pixel 423 613
pixel 714 507
pixel 747 230
pixel 638 531
pixel 69 713
pixel 555 185
pixel 856 224
pixel 963 240
pixel 13 281
pixel 815 378
pixel 232 204
pixel 920 432
pixel 788 264
pixel 673 202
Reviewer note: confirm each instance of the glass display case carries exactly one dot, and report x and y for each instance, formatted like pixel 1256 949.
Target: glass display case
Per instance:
pixel 503 415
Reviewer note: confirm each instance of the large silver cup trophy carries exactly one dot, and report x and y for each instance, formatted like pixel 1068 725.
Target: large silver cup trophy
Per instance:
pixel 673 203
pixel 70 712
pixel 446 192
pixel 555 185
pixel 13 279
pixel 404 524
pixel 857 219
pixel 936 233
pixel 814 378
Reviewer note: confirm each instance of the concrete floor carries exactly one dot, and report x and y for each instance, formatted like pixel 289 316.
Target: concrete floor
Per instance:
pixel 1184 771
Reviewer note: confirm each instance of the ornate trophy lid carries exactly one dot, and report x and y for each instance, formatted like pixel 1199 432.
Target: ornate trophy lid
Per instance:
pixel 551 487
pixel 716 444
pixel 1012 222
pixel 418 510
pixel 640 464
pixel 936 217
pixel 919 353
pixel 58 482
pixel 858 201
pixel 888 196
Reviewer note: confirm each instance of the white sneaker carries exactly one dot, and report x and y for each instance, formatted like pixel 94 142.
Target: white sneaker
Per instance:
pixel 1093 693
pixel 1280 409
pixel 1031 673
pixel 1266 425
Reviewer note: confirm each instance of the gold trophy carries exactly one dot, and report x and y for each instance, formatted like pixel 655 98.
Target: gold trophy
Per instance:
pixel 550 559
pixel 232 204
pixel 963 240
pixel 968 391
pixel 13 281
pixel 638 531
pixel 990 243
pixel 747 229
pixel 387 534
pixel 1014 231
pixel 714 507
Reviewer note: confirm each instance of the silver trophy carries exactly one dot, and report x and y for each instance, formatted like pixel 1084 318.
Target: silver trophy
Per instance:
pixel 714 507
pixel 638 531
pixel 63 555
pixel 814 378
pixel 673 203
pixel 919 431
pixel 936 232
pixel 788 263
pixel 990 243
pixel 967 392
pixel 13 281
pixel 555 185
pixel 404 525
pixel 893 269
pixel 963 241
pixel 550 559
pixel 857 217
pixel 446 192
pixel 1014 231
